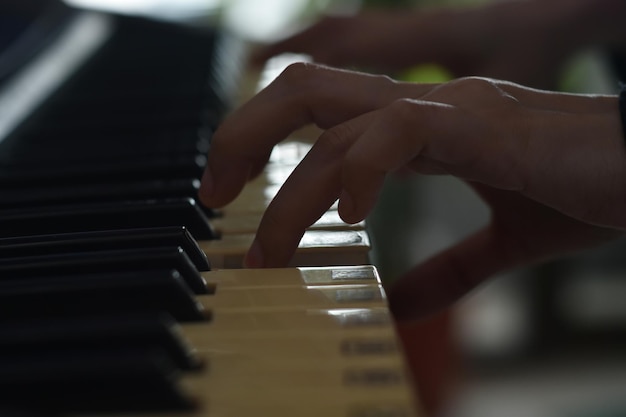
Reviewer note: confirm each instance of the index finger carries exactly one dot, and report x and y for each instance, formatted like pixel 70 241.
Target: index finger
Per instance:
pixel 302 94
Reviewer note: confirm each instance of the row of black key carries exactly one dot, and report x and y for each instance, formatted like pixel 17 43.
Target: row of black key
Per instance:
pixel 98 221
pixel 88 320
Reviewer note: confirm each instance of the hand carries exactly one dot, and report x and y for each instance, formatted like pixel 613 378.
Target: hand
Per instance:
pixel 551 166
pixel 525 41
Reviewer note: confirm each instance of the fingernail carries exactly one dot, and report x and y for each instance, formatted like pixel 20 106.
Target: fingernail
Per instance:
pixel 254 257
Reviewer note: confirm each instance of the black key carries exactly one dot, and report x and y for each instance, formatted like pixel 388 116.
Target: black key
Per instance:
pixel 169 120
pixel 107 216
pixel 105 240
pixel 99 333
pixel 21 412
pixel 120 381
pixel 50 172
pixel 95 193
pixel 95 145
pixel 129 109
pixel 75 295
pixel 104 261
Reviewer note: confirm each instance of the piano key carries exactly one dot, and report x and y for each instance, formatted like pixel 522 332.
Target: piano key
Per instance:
pixel 273 174
pixel 49 172
pixel 76 295
pixel 293 277
pixel 93 110
pixel 338 323
pixel 20 412
pixel 255 199
pixel 173 119
pixel 129 380
pixel 259 298
pixel 105 240
pixel 346 359
pixel 289 152
pixel 47 336
pixel 104 261
pixel 249 223
pixel 299 354
pixel 146 142
pixel 106 216
pixel 310 342
pixel 349 348
pixel 90 193
pixel 316 248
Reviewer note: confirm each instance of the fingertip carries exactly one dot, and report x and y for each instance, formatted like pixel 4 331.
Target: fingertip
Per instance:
pixel 350 211
pixel 346 207
pixel 222 182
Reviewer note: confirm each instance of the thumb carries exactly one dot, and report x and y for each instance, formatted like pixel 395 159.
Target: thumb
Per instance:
pixel 449 275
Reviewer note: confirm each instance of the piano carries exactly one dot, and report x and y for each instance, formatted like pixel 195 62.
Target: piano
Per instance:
pixel 120 294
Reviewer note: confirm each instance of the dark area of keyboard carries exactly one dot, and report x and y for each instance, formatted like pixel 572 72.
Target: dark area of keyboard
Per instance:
pixel 138 117
pixel 98 221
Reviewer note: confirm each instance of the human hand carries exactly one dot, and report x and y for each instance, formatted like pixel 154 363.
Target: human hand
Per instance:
pixel 527 42
pixel 373 39
pixel 552 167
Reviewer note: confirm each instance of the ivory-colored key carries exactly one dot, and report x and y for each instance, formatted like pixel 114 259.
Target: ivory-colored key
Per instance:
pixel 258 298
pixel 317 248
pixel 290 277
pixel 374 320
pixel 255 199
pixel 249 223
pixel 273 174
pixel 293 288
pixel 343 362
pixel 289 152
pixel 258 384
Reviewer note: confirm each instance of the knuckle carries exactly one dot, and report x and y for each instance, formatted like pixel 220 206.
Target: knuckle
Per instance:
pixel 334 142
pixel 478 84
pixel 401 115
pixel 297 74
pixel 402 110
pixel 487 89
pixel 299 83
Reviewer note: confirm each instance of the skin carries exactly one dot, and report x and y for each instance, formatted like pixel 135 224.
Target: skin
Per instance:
pixel 528 42
pixel 551 166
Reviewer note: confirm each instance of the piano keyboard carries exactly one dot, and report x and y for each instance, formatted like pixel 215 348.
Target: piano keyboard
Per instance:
pixel 121 294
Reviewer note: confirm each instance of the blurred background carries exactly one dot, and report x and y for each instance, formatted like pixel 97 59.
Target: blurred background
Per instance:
pixel 547 341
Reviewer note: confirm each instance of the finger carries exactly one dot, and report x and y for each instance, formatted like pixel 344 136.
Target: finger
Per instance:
pixel 303 94
pixel 320 178
pixel 313 38
pixel 308 192
pixel 325 41
pixel 550 100
pixel 450 275
pixel 394 139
